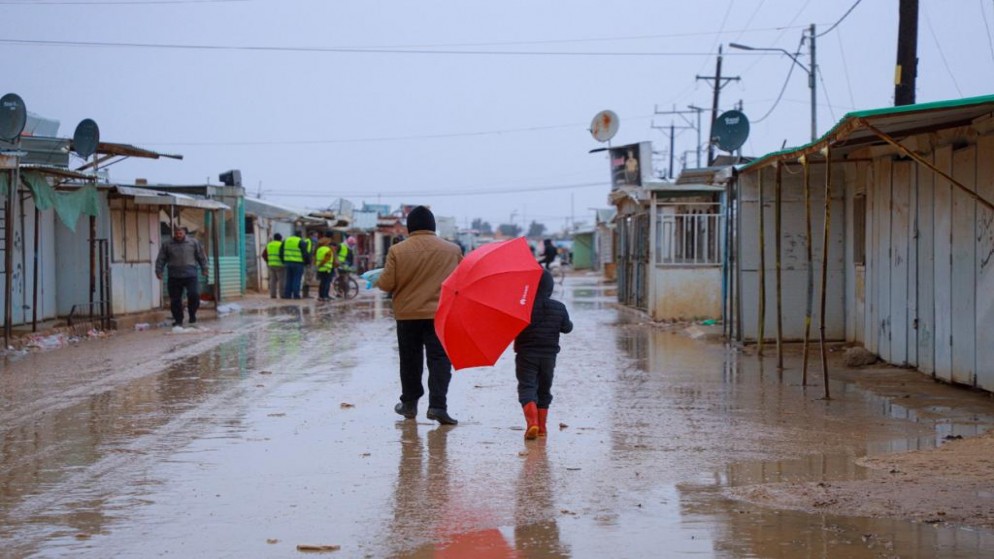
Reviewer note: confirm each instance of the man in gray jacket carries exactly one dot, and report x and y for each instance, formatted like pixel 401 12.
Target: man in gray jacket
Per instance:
pixel 181 256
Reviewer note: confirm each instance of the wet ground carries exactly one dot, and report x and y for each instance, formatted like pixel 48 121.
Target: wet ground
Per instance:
pixel 275 429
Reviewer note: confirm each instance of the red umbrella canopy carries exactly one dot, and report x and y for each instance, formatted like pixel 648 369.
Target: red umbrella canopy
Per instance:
pixel 487 301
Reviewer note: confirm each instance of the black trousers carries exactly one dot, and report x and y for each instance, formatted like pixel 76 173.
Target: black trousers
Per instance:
pixel 416 339
pixel 534 379
pixel 175 286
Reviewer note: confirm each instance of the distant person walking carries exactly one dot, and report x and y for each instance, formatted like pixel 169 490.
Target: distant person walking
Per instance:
pixel 277 272
pixel 180 257
pixel 413 274
pixel 536 348
pixel 548 253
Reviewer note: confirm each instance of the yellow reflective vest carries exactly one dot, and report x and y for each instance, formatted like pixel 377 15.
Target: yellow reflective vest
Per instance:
pixel 273 254
pixel 291 249
pixel 319 257
pixel 343 253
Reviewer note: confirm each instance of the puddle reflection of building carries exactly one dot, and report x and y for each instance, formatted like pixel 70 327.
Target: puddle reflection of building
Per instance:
pixel 536 533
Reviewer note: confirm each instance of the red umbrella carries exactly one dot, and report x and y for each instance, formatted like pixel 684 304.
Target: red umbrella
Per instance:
pixel 486 302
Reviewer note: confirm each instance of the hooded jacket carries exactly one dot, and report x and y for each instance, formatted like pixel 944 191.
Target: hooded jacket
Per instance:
pixel 549 319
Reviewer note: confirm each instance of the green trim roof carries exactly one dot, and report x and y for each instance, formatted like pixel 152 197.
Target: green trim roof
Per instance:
pixel 882 113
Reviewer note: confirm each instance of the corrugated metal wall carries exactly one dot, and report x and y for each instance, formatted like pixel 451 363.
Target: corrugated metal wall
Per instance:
pixel 231 276
pixel 794 268
pixel 930 254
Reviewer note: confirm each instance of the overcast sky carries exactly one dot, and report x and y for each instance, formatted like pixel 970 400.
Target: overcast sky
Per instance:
pixel 479 109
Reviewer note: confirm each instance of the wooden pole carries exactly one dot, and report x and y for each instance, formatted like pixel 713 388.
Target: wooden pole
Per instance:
pixel 824 267
pixel 762 268
pixel 778 205
pixel 34 292
pixel 809 300
pixel 8 257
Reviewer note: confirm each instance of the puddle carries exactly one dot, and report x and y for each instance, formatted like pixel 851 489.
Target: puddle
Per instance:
pixel 284 434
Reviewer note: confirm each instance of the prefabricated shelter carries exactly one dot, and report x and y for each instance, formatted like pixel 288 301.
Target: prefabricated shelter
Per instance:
pixel 686 251
pixel 583 248
pixel 909 237
pixel 264 219
pixel 631 249
pixel 134 225
pixel 604 260
pixel 229 265
pixel 59 268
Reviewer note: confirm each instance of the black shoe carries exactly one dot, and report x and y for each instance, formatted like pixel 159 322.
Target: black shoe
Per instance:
pixel 193 320
pixel 410 411
pixel 177 323
pixel 441 416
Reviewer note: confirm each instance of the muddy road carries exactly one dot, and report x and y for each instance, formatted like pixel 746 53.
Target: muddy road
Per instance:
pixel 274 428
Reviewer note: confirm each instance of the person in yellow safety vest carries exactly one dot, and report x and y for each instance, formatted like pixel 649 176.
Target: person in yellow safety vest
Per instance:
pixel 294 254
pixel 343 253
pixel 277 272
pixel 310 270
pixel 324 261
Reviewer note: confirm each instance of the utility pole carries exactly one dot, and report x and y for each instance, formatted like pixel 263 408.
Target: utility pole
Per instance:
pixel 907 54
pixel 719 82
pixel 812 72
pixel 690 125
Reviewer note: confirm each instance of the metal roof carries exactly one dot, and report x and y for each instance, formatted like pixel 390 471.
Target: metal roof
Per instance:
pixel 860 129
pixel 269 210
pixel 146 197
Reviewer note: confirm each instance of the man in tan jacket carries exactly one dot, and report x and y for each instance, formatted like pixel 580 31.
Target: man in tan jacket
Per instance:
pixel 413 274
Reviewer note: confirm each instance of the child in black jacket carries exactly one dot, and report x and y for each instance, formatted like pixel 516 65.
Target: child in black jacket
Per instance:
pixel 536 348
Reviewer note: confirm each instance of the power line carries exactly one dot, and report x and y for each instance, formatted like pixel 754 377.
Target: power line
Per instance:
pixel 836 24
pixel 942 55
pixel 119 3
pixel 440 193
pixel 338 50
pixel 381 138
pixel 987 28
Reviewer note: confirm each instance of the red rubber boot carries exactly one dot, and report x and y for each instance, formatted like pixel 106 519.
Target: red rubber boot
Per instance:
pixel 531 419
pixel 543 413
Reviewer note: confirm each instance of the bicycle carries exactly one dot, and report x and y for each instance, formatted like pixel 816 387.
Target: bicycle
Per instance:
pixel 346 286
pixel 558 270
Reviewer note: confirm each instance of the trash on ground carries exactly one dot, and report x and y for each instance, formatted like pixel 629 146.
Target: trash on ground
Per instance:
pixel 229 308
pixel 142 326
pixel 318 548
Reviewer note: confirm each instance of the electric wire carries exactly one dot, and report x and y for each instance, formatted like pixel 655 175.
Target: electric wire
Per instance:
pixel 783 88
pixel 845 69
pixel 938 46
pixel 836 24
pixel 374 139
pixel 338 50
pixel 120 3
pixel 987 28
pixel 442 193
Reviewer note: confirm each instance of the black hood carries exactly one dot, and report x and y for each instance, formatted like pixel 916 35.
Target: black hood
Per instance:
pixel 546 285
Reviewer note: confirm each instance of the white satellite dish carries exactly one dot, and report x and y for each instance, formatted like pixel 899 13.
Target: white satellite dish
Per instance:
pixel 604 126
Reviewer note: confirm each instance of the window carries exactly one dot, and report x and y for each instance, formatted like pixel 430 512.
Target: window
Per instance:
pixel 688 234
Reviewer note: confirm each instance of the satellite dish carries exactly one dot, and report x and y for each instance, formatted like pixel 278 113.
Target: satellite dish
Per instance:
pixel 86 138
pixel 604 126
pixel 13 116
pixel 730 130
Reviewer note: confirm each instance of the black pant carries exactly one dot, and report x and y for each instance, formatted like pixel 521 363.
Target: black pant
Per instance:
pixel 534 379
pixel 415 339
pixel 175 287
